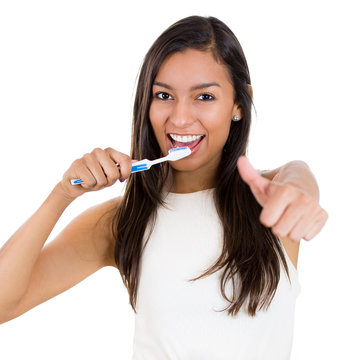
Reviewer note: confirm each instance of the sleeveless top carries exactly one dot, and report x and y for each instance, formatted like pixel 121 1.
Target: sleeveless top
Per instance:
pixel 177 319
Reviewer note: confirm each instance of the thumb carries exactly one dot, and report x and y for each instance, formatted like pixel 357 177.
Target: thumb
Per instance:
pixel 257 183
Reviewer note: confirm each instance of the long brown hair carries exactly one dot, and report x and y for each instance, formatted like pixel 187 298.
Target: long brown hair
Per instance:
pixel 251 253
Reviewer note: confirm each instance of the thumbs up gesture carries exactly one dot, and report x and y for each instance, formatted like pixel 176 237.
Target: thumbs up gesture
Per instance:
pixel 290 211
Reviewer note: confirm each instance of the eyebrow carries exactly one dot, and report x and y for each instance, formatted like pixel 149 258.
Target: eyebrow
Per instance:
pixel 196 87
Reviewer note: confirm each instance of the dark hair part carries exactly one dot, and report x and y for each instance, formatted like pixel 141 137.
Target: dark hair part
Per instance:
pixel 251 253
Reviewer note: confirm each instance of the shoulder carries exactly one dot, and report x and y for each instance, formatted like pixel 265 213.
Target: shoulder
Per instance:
pixel 101 214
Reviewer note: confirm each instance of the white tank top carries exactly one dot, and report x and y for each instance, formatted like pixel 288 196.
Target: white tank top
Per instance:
pixel 176 319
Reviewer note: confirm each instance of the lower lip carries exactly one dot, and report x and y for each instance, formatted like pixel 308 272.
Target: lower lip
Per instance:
pixel 194 149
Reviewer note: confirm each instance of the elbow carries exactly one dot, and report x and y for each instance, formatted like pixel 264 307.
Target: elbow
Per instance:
pixel 4 318
pixel 6 313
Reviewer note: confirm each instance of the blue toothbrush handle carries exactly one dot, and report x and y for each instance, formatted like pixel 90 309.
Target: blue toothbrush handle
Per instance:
pixel 76 181
pixel 139 167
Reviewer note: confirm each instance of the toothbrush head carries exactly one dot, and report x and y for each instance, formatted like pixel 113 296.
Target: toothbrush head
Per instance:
pixel 179 153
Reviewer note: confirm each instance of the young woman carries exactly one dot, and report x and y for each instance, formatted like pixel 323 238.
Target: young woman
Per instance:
pixel 206 246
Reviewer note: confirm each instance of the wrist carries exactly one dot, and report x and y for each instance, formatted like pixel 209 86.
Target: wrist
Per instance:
pixel 59 193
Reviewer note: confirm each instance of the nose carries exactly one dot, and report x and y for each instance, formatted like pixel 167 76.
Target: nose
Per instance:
pixel 182 114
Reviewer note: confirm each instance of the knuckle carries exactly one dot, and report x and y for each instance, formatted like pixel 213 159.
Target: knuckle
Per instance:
pixel 305 199
pixel 263 218
pixel 115 174
pixel 111 181
pixel 112 176
pixel 277 231
pixel 294 237
pixel 125 158
pixel 87 156
pixel 125 164
pixel 97 150
pixel 89 183
pixel 77 163
pixel 287 190
pixel 102 182
pixel 308 237
pixel 315 208
pixel 93 183
pixel 78 166
pixel 324 216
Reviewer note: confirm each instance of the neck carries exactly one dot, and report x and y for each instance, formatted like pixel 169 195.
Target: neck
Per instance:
pixel 191 181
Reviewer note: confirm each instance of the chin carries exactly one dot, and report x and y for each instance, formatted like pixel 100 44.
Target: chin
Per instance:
pixel 181 165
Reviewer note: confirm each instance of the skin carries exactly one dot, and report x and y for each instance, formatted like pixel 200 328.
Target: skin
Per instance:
pixel 288 195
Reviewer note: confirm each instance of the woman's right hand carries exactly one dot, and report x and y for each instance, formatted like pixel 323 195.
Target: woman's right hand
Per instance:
pixel 98 170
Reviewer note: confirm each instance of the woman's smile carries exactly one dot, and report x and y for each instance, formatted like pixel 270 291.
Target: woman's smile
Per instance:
pixel 192 141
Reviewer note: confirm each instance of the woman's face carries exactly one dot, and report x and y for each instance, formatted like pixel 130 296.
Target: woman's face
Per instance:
pixel 193 106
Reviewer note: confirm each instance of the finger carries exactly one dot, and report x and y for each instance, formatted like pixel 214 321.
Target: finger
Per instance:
pixel 109 167
pixel 92 163
pixel 83 172
pixel 257 183
pixel 320 222
pixel 278 202
pixel 250 175
pixel 315 230
pixel 89 181
pixel 124 161
pixel 305 223
pixel 288 221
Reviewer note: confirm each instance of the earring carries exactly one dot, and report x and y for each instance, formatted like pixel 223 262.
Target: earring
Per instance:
pixel 236 118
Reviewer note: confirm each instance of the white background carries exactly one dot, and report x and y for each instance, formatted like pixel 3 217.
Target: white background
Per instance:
pixel 67 79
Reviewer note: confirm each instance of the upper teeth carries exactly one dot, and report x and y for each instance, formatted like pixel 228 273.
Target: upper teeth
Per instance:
pixel 188 138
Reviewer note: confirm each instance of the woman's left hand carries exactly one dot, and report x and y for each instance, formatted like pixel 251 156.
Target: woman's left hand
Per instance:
pixel 288 210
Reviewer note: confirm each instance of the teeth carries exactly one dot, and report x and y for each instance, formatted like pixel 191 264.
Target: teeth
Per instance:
pixel 185 139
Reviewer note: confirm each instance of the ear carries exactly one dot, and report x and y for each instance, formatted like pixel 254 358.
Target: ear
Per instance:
pixel 237 110
pixel 251 90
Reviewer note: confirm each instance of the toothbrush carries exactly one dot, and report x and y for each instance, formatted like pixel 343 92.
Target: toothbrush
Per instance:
pixel 174 154
pixel 142 165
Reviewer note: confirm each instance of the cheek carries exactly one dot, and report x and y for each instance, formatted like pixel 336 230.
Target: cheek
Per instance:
pixel 219 123
pixel 156 118
pixel 159 112
pixel 221 133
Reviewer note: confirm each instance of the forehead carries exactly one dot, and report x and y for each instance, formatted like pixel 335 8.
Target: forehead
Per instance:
pixel 190 67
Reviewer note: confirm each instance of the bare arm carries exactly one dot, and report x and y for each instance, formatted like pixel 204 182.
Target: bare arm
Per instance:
pixel 31 273
pixel 20 253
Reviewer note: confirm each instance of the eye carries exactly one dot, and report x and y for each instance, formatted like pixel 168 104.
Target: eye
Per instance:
pixel 163 95
pixel 206 97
